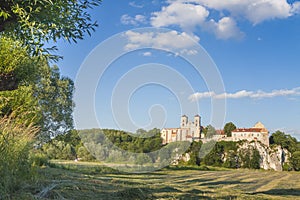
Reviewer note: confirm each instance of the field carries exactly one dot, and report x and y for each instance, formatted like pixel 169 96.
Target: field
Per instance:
pixel 72 180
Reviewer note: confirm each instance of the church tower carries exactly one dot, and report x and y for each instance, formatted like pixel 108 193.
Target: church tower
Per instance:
pixel 197 121
pixel 184 121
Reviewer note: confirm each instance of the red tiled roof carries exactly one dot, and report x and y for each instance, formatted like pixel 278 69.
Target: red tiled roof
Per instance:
pixel 248 130
pixel 220 132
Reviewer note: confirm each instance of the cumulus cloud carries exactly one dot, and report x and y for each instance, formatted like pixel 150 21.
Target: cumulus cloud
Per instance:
pixel 187 16
pixel 184 44
pixel 296 8
pixel 256 11
pixel 225 28
pixel 136 20
pixel 246 94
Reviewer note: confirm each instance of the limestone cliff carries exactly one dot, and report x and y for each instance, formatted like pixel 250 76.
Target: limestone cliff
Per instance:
pixel 272 158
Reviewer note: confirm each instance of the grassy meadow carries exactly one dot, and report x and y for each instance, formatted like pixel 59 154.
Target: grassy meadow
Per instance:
pixel 80 180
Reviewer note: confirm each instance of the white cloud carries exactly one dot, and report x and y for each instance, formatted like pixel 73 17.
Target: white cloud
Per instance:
pixel 202 95
pixel 296 8
pixel 184 44
pixel 237 95
pixel 135 5
pixel 187 16
pixel 147 54
pixel 225 28
pixel 136 20
pixel 255 11
pixel 243 94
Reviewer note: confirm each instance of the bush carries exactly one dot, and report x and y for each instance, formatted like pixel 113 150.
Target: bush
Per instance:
pixel 287 167
pixel 15 145
pixel 250 158
pixel 295 160
pixel 38 159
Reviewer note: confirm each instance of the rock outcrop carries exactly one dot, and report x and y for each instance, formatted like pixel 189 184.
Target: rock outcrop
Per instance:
pixel 272 158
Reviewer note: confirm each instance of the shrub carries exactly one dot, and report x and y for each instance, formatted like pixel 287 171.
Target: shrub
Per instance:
pixel 38 158
pixel 15 144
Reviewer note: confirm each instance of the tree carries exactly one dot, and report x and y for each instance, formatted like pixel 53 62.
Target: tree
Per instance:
pixel 35 22
pixel 18 74
pixel 228 128
pixel 54 94
pixel 17 67
pixel 255 159
pixel 194 150
pixel 296 160
pixel 285 141
pixel 211 131
pixel 250 158
pixel 142 159
pixel 37 93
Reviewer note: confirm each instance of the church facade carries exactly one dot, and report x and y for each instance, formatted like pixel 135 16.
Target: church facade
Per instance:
pixel 188 131
pixel 192 131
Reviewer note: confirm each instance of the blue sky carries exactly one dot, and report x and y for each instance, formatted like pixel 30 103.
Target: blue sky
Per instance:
pixel 254 44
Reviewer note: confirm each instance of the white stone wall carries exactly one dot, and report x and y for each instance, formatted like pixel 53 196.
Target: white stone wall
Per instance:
pixel 250 136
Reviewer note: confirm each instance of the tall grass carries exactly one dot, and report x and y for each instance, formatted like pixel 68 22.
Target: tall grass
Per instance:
pixel 16 141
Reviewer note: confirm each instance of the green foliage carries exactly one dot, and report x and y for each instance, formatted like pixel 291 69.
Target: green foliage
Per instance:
pixel 224 153
pixel 34 92
pixel 228 128
pixel 144 142
pixel 15 144
pixel 211 131
pixel 20 105
pixel 255 160
pixel 194 151
pixel 38 158
pixel 231 160
pixel 213 159
pixel 17 67
pixel 250 158
pixel 84 154
pixel 58 149
pixel 287 167
pixel 295 160
pixel 18 73
pixel 142 159
pixel 55 95
pixel 105 145
pixel 284 140
pixel 36 22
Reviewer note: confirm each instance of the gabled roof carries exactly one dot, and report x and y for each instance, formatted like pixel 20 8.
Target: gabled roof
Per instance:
pixel 258 130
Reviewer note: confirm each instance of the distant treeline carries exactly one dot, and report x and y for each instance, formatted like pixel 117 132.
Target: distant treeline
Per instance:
pixel 123 147
pixel 103 144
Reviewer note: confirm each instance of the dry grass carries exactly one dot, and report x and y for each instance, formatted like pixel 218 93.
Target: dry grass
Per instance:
pixel 15 144
pixel 171 183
